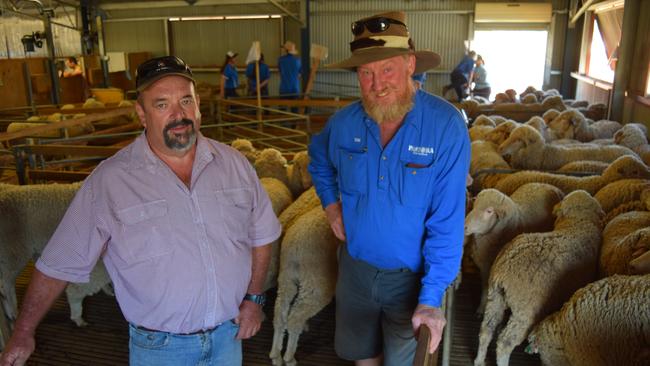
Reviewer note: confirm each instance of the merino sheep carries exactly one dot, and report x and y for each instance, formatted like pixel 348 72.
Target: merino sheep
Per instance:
pixel 550 115
pixel 623 167
pixel 536 272
pixel 30 216
pixel 496 218
pixel 485 156
pixel 633 136
pixel 479 133
pixel 622 253
pixel 281 198
pixel 307 280
pixel 605 323
pixel 584 166
pixel 271 163
pixel 614 236
pixel 483 120
pixel 298 176
pixel 247 149
pixel 553 102
pixel 529 99
pixel 619 192
pixel 571 124
pixel 540 125
pixel 527 150
pixel 501 132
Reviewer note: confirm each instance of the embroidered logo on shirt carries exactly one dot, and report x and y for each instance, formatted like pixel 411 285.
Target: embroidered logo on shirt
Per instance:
pixel 357 139
pixel 421 150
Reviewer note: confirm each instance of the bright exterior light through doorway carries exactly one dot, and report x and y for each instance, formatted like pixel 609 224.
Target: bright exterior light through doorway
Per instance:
pixel 514 59
pixel 599 67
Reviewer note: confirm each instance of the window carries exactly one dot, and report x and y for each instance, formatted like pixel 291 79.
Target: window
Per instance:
pixel 600 66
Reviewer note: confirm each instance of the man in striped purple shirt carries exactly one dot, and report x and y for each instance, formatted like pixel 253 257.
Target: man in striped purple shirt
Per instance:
pixel 183 227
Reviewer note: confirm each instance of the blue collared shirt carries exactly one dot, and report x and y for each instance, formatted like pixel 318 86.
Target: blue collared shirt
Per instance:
pixel 250 73
pixel 289 66
pixel 232 78
pixel 403 205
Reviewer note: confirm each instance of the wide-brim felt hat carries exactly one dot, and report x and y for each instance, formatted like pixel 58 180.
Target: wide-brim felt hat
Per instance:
pixel 393 41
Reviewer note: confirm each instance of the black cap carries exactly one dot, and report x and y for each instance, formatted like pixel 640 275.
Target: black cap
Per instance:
pixel 156 68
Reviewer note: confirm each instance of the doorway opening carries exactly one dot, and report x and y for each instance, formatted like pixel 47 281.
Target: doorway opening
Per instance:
pixel 514 59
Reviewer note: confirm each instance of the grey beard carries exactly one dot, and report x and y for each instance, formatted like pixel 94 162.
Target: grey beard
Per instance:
pixel 180 142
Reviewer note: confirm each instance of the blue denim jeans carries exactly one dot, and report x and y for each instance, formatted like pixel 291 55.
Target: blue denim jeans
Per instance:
pixel 217 347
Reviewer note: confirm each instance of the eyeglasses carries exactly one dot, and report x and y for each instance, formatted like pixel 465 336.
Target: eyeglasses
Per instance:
pixel 374 25
pixel 160 65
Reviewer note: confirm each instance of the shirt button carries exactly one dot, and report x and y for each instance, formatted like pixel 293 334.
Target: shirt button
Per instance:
pixel 381 177
pixel 383 157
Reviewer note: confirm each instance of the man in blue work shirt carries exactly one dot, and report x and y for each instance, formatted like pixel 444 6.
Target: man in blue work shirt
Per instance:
pixel 390 172
pixel 289 66
pixel 461 76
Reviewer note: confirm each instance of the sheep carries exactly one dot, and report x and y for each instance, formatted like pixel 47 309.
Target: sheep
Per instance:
pixel 281 198
pixel 479 133
pixel 271 163
pixel 501 98
pixel 25 229
pixel 571 124
pixel 579 103
pixel 633 136
pixel 298 176
pixel 302 204
pixel 529 99
pixel 619 192
pixel 622 253
pixel 536 272
pixel 550 114
pixel 246 148
pixel 614 250
pixel 604 323
pixel 496 218
pixel 553 102
pixel 501 132
pixel 584 166
pixel 484 156
pixel 527 150
pixel 93 103
pixel 538 123
pixel 307 280
pixel 623 167
pixel 498 119
pixel 483 120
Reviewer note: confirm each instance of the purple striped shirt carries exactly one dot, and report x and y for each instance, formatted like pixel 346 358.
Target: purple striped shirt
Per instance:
pixel 179 258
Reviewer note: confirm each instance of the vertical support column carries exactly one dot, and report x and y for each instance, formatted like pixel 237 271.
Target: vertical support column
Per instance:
pixel 102 50
pixel 305 42
pixel 51 66
pixel 624 64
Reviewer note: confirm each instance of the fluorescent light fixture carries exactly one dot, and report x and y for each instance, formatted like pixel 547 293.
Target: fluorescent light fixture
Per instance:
pixel 225 17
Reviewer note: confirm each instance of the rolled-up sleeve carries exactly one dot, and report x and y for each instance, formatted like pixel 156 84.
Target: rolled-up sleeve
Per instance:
pixel 443 245
pixel 323 172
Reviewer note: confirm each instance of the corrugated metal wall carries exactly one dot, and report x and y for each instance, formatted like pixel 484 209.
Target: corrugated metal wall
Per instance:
pixel 136 36
pixel 67 42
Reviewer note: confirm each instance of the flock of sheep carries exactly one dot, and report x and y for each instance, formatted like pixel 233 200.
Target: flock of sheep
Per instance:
pixel 560 232
pixel 559 229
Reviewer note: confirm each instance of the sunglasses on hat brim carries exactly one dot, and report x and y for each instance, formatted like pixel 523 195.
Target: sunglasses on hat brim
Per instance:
pixel 374 25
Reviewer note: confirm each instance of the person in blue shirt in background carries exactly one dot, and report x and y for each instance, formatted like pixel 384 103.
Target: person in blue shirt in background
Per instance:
pixel 264 77
pixel 461 76
pixel 419 80
pixel 390 172
pixel 481 86
pixel 289 66
pixel 229 76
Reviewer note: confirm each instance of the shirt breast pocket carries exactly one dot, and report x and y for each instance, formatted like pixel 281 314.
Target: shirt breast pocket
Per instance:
pixel 236 210
pixel 143 231
pixel 353 171
pixel 415 182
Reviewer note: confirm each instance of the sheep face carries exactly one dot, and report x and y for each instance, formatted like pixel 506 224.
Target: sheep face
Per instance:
pixel 501 132
pixel 550 115
pixel 626 166
pixel 521 137
pixel 630 136
pixel 484 120
pixel 301 162
pixel 485 213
